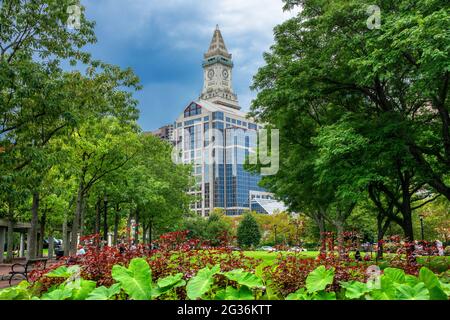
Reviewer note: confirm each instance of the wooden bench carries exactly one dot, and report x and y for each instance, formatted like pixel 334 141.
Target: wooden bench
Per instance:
pixel 23 269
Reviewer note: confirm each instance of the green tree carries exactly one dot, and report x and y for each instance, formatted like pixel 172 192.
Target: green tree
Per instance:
pixel 248 232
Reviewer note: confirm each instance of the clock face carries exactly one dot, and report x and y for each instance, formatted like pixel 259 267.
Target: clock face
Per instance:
pixel 211 74
pixel 225 74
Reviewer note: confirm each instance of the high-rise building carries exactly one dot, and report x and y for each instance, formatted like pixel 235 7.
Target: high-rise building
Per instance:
pixel 216 137
pixel 164 133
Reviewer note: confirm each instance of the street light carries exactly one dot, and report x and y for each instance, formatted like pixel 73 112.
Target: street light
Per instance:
pixel 421 225
pixel 275 228
pixel 421 216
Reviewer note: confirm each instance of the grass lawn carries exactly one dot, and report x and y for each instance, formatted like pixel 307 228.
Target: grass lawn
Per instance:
pixel 440 264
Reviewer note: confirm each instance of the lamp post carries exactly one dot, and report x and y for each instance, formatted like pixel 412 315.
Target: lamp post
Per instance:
pixel 275 234
pixel 421 226
pixel 105 219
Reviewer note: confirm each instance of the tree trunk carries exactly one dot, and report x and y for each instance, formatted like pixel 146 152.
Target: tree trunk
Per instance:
pixel 42 234
pixel 105 219
pixel 65 238
pixel 97 217
pixel 116 226
pixel 82 215
pixel 129 228
pixel 32 245
pixel 136 231
pixel 144 233
pixel 150 233
pixel 10 237
pixel 76 220
pixel 51 246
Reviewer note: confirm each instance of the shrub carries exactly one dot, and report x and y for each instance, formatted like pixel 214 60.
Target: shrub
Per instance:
pixel 248 233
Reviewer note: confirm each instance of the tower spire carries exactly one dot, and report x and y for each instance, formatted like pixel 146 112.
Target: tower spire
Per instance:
pixel 218 67
pixel 217 46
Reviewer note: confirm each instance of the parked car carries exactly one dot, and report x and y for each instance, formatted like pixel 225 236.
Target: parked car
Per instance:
pixel 297 249
pixel 267 248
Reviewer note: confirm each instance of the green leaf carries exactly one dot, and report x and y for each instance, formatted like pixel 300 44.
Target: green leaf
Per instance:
pixel 136 281
pixel 167 284
pixel 59 294
pixel 230 293
pixel 63 272
pixel 411 280
pixel 244 278
pixel 319 279
pixel 104 293
pixel 418 292
pixel 298 295
pixel 81 288
pixel 201 283
pixel 396 275
pixel 433 284
pixel 445 287
pixel 323 295
pixel 170 281
pixel 355 289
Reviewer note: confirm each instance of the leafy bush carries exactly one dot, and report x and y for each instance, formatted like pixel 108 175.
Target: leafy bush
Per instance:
pixel 136 283
pixel 248 232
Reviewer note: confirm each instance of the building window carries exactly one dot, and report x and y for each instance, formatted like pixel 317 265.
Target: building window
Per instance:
pixel 218 116
pixel 193 110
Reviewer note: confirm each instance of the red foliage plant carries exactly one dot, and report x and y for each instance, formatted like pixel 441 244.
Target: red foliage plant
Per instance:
pixel 172 253
pixel 290 272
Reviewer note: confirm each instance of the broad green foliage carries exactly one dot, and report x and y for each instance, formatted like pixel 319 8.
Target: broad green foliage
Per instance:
pixel 244 278
pixel 136 280
pixel 355 289
pixel 395 285
pixel 135 283
pixel 230 293
pixel 103 293
pixel 20 292
pixel 319 279
pixel 316 283
pixel 63 272
pixel 169 283
pixel 201 283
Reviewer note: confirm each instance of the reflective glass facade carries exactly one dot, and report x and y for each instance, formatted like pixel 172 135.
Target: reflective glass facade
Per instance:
pixel 218 144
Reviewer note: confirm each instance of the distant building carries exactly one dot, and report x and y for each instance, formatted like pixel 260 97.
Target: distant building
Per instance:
pixel 164 133
pixel 222 181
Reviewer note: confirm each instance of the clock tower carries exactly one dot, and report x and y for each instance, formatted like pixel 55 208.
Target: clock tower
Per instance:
pixel 217 70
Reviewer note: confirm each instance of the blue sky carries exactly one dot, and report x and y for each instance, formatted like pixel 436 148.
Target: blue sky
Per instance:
pixel 164 42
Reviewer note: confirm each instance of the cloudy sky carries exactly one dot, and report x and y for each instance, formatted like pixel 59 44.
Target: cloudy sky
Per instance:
pixel 164 41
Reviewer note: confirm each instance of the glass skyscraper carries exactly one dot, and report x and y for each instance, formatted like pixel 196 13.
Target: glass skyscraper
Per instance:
pixel 217 138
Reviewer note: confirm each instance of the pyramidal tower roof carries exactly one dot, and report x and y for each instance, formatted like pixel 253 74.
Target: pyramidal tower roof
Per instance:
pixel 217 46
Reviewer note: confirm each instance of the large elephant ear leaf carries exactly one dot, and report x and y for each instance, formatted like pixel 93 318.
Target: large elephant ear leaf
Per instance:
pixel 355 289
pixel 201 283
pixel 433 284
pixel 165 285
pixel 418 292
pixel 230 293
pixel 104 293
pixel 63 272
pixel 81 289
pixel 244 278
pixel 319 279
pixel 395 275
pixel 136 281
